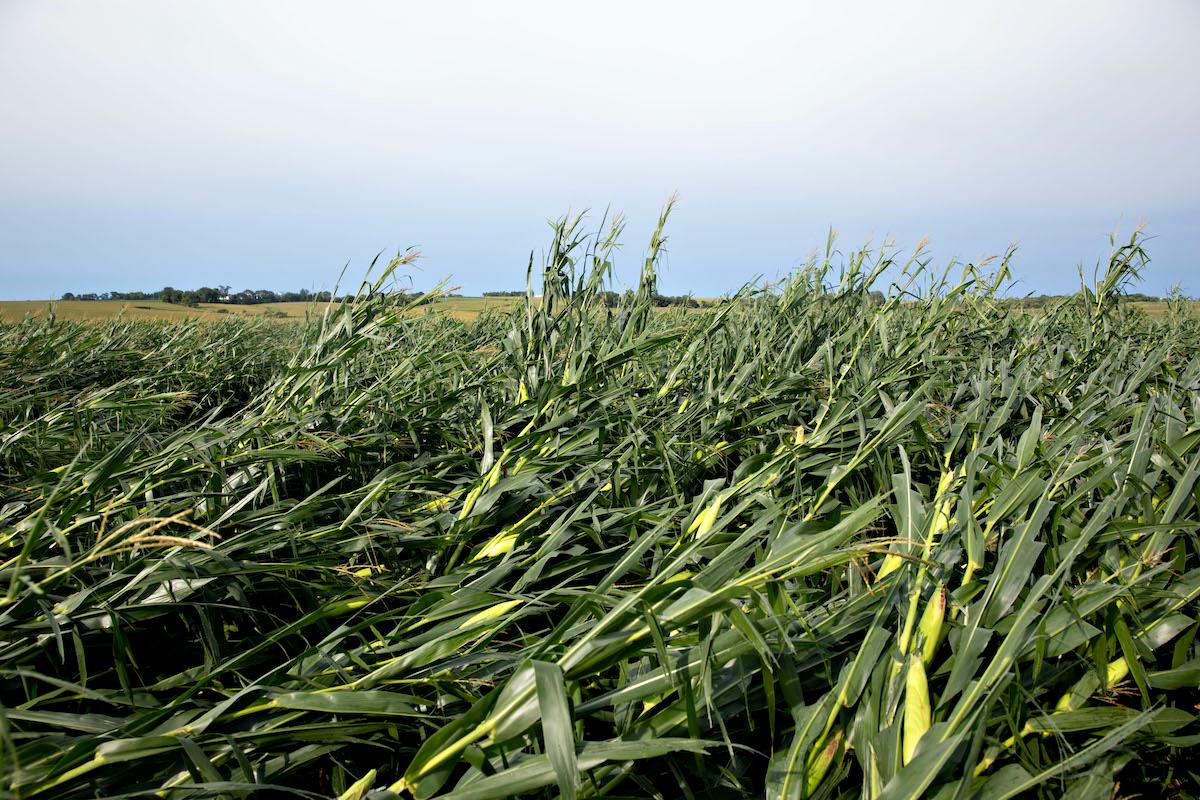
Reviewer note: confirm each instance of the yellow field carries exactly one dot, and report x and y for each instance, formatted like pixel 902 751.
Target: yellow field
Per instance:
pixel 463 308
pixel 1160 309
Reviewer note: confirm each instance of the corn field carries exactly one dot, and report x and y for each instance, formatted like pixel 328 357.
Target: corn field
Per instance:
pixel 800 543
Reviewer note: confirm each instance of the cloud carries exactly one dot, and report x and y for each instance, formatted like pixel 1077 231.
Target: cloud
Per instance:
pixel 346 127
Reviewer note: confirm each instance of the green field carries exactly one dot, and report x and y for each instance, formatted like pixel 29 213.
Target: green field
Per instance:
pixel 793 544
pixel 463 308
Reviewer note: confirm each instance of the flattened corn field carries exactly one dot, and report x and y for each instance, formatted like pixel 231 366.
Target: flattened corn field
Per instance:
pixel 800 543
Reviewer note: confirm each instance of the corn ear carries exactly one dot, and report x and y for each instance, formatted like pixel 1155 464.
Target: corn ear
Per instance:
pixel 822 758
pixel 1089 684
pixel 489 613
pixel 890 564
pixel 917 711
pixel 930 626
pixel 704 522
pixel 498 545
pixel 359 788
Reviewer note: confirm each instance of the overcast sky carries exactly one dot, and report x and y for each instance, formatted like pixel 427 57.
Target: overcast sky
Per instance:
pixel 265 144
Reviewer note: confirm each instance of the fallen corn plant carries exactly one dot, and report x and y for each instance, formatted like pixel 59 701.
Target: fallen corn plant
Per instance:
pixel 802 542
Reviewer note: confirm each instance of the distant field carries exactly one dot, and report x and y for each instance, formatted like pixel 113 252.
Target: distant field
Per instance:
pixel 1159 309
pixel 291 561
pixel 462 308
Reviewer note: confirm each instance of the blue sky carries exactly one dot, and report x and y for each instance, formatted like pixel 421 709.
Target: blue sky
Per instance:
pixel 266 144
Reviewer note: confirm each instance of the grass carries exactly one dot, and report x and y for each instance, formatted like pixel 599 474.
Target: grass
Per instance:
pixel 799 544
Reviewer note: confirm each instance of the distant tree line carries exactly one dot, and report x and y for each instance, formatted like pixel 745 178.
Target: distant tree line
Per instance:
pixel 249 297
pixel 1043 300
pixel 220 294
pixel 664 300
pixel 612 299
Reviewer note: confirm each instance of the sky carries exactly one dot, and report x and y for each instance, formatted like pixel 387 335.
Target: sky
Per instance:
pixel 268 144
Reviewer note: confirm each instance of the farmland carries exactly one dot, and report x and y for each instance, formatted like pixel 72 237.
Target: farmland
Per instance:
pixel 461 308
pixel 464 309
pixel 798 543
